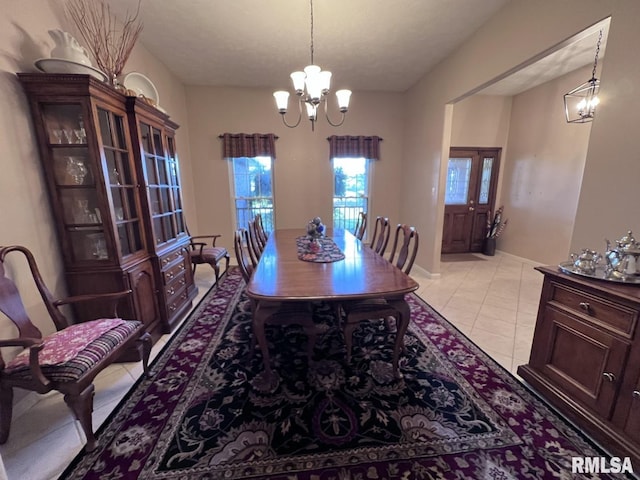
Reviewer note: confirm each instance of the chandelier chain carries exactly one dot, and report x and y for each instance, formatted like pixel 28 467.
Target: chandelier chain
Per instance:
pixel 311 4
pixel 595 62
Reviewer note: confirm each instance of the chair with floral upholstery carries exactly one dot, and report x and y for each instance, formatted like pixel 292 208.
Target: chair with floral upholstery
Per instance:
pixel 67 360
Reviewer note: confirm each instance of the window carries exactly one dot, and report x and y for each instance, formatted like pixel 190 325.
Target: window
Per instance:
pixel 252 188
pixel 351 191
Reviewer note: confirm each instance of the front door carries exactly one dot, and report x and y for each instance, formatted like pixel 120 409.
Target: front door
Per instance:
pixel 470 190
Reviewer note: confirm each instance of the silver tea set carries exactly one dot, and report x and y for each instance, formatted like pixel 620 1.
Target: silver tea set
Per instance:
pixel 622 261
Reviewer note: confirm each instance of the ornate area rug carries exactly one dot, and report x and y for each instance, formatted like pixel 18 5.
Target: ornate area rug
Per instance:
pixel 207 414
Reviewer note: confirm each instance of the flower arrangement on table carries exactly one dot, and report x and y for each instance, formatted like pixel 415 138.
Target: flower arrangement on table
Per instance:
pixel 315 230
pixel 496 226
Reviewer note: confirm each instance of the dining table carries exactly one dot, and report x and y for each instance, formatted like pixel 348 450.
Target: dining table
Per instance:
pixel 287 272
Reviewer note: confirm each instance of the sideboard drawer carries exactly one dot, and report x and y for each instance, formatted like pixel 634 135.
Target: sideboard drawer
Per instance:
pixel 615 317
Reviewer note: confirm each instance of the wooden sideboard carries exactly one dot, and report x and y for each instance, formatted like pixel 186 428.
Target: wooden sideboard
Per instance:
pixel 585 357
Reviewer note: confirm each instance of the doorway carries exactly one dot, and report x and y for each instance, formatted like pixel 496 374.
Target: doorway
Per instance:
pixel 470 193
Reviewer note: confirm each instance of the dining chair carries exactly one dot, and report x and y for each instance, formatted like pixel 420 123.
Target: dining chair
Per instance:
pixel 381 233
pixel 361 226
pixel 262 234
pixel 69 359
pixel 207 252
pixel 273 313
pixel 244 260
pixel 405 244
pixel 255 240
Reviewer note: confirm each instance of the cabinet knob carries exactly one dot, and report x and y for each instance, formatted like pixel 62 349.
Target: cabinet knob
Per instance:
pixel 609 376
pixel 585 306
pixel 636 394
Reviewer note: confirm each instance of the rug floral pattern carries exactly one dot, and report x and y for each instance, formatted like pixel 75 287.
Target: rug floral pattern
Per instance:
pixel 209 413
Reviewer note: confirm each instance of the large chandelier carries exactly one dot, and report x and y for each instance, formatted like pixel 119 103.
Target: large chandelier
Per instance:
pixel 581 102
pixel 312 87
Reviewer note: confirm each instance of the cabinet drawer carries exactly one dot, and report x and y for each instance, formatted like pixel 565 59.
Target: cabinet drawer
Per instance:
pixel 175 286
pixel 170 258
pixel 173 272
pixel 614 317
pixel 177 302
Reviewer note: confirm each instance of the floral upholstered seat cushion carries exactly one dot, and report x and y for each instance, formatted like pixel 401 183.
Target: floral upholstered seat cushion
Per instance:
pixel 69 353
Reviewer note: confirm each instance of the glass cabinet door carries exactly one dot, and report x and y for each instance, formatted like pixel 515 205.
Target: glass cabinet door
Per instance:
pixel 121 181
pixel 78 178
pixel 75 181
pixel 163 184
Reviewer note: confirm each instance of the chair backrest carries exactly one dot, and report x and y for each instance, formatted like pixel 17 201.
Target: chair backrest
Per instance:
pixel 405 244
pixel 361 226
pixel 246 268
pixel 256 243
pixel 11 302
pixel 262 234
pixel 253 257
pixel 381 234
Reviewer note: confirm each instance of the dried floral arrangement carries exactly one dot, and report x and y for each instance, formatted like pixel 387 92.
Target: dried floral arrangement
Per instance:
pixel 496 226
pixel 109 40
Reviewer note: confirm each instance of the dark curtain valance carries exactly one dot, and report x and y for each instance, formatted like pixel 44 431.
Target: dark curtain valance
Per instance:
pixel 236 145
pixel 354 146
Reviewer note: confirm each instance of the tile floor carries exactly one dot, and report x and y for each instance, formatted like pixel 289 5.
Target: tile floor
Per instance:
pixel 493 300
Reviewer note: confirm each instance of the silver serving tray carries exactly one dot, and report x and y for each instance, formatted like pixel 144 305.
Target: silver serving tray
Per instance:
pixel 600 274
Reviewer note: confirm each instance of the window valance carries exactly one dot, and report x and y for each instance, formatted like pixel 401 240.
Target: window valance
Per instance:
pixel 236 145
pixel 341 146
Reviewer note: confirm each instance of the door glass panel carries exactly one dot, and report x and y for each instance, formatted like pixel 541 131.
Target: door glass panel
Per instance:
pixel 119 130
pixel 152 176
pixel 64 124
pixel 125 247
pixel 72 167
pixel 457 186
pixel 145 132
pixel 105 128
pixel 485 181
pixel 80 206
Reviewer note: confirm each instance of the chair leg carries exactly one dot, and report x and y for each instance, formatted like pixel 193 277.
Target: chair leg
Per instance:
pixel 6 410
pixel 348 338
pixel 216 269
pixel 312 336
pixel 144 348
pixel 82 407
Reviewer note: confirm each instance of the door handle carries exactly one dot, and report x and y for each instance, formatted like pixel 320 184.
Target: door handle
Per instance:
pixel 471 209
pixel 609 376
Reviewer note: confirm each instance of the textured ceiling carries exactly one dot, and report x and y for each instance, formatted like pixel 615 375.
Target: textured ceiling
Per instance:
pixel 384 45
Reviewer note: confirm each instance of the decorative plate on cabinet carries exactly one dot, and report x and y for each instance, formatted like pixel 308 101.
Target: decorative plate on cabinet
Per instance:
pixel 60 65
pixel 143 87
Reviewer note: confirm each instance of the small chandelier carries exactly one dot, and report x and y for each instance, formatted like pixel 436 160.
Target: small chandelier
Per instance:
pixel 312 87
pixel 581 102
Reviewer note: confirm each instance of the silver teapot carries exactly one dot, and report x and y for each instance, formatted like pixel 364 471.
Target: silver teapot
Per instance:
pixel 586 262
pixel 623 261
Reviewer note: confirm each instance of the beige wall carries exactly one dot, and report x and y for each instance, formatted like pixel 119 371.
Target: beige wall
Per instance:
pixel 543 172
pixel 519 32
pixel 303 178
pixel 481 121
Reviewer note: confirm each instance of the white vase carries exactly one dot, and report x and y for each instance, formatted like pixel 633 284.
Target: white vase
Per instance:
pixel 68 48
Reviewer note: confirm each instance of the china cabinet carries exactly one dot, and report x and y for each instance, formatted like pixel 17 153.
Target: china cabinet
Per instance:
pixel 585 357
pixel 92 148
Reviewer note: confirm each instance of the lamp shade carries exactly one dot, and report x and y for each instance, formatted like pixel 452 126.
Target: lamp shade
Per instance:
pixel 282 100
pixel 343 99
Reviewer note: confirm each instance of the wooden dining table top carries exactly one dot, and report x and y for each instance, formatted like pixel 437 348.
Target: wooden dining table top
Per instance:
pixel 282 276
